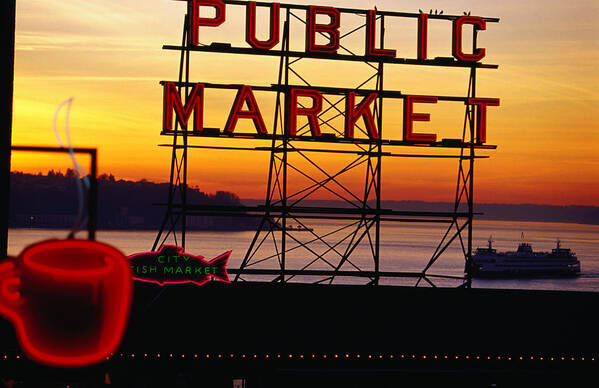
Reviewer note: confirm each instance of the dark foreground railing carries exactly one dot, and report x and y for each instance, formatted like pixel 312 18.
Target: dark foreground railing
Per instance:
pixel 299 335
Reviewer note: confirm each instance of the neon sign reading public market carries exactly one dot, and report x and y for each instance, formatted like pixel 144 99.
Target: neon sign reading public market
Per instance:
pixel 245 105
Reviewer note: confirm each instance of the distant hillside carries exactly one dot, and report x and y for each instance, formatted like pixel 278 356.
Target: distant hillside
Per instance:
pixel 507 212
pixel 50 201
pixel 512 212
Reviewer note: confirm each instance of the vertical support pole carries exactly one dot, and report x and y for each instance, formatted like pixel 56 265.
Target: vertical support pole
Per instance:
pixel 172 180
pixel 273 153
pixel 284 162
pixel 472 125
pixel 8 31
pixel 277 118
pixel 92 199
pixel 184 155
pixel 379 160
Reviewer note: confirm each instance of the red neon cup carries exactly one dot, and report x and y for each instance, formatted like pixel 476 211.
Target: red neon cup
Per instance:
pixel 69 300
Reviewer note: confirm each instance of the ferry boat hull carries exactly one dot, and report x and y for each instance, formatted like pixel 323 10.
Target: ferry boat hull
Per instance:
pixel 524 273
pixel 488 263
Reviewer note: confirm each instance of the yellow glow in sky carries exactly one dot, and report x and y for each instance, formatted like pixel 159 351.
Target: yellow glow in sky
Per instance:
pixel 107 55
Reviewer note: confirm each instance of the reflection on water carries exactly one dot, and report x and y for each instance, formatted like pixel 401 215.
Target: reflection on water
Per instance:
pixel 405 247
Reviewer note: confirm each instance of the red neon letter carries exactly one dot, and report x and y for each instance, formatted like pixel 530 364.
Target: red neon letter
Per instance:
pixel 352 114
pixel 422 35
pixel 245 95
pixel 458 24
pixel 409 117
pixel 481 113
pixel 371 38
pixel 172 101
pixel 332 29
pixel 197 21
pixel 311 113
pixel 250 27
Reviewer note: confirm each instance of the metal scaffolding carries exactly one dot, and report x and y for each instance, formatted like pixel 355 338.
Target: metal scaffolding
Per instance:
pixel 281 252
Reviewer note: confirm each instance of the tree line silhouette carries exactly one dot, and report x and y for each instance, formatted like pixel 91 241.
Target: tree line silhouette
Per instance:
pixel 51 201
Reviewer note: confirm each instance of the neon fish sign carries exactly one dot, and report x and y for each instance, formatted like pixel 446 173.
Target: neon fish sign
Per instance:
pixel 171 265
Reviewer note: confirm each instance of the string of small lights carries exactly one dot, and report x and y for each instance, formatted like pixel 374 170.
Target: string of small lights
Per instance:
pixel 336 356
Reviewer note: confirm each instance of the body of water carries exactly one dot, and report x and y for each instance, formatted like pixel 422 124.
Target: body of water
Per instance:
pixel 405 247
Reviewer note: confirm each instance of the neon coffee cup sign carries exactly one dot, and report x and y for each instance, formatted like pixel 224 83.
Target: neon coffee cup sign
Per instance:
pixel 69 300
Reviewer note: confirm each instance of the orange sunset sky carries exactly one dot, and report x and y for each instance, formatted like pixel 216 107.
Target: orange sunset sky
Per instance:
pixel 107 55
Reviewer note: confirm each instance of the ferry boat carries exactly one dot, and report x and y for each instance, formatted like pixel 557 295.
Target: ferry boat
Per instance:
pixel 524 262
